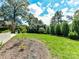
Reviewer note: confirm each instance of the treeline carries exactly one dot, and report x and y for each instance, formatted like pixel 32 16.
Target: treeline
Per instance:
pixel 57 26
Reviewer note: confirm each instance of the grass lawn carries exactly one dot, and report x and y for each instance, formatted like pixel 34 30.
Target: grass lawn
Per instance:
pixel 59 47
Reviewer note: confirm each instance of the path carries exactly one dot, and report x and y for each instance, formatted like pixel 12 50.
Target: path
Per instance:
pixel 4 37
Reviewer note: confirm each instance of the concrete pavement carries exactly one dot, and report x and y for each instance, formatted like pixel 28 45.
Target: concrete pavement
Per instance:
pixel 4 37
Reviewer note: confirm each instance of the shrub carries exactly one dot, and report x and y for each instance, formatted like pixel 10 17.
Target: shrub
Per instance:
pixel 32 29
pixel 65 29
pixel 41 30
pixel 21 29
pixel 4 30
pixel 57 29
pixel 73 35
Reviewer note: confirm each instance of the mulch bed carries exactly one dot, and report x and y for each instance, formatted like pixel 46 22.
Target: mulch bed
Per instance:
pixel 24 49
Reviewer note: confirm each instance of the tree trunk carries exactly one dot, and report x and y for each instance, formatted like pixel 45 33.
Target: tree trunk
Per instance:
pixel 14 21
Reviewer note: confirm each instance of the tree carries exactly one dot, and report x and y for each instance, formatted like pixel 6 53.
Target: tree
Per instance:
pixel 32 28
pixel 14 8
pixel 32 19
pixel 65 28
pixel 57 29
pixel 48 29
pixel 52 26
pixel 36 26
pixel 75 22
pixel 57 18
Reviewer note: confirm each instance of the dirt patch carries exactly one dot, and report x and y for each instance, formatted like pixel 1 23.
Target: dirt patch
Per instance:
pixel 24 49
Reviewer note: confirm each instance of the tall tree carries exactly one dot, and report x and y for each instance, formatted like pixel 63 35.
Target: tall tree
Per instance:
pixel 65 28
pixel 75 22
pixel 57 18
pixel 13 9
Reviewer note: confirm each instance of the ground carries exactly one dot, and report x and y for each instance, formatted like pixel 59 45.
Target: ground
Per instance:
pixel 4 37
pixel 24 49
pixel 59 47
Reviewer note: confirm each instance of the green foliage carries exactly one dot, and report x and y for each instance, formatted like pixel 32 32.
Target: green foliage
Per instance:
pixel 57 29
pixel 65 29
pixel 52 26
pixel 12 9
pixel 75 22
pixel 6 31
pixel 73 35
pixel 3 30
pixel 36 26
pixel 48 30
pixel 75 25
pixel 57 17
pixel 32 28
pixel 41 30
pixel 21 29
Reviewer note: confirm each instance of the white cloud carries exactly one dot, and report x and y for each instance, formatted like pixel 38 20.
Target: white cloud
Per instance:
pixel 38 11
pixel 39 3
pixel 50 11
pixel 35 9
pixel 65 10
pixel 62 1
pixel 47 18
pixel 56 4
pixel 75 2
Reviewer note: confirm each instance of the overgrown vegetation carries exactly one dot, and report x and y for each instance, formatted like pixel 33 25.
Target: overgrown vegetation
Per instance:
pixel 21 29
pixel 4 30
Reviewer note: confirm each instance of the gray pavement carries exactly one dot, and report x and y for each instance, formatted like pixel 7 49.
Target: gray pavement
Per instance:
pixel 4 37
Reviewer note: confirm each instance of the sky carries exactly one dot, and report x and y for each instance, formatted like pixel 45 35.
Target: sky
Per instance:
pixel 45 9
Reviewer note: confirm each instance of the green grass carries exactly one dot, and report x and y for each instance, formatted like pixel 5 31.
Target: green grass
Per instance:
pixel 59 47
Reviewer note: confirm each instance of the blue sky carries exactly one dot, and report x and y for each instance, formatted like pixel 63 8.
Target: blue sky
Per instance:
pixel 55 5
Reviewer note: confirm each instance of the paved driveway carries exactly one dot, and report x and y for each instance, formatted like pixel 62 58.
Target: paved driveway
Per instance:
pixel 4 37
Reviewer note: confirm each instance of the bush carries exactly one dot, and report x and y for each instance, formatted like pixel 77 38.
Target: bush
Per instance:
pixel 73 35
pixel 21 29
pixel 65 29
pixel 4 30
pixel 57 29
pixel 41 30
pixel 32 29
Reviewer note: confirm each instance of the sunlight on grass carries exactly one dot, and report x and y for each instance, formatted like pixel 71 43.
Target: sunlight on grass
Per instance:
pixel 60 47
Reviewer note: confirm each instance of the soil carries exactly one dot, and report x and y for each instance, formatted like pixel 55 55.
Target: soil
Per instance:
pixel 24 49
